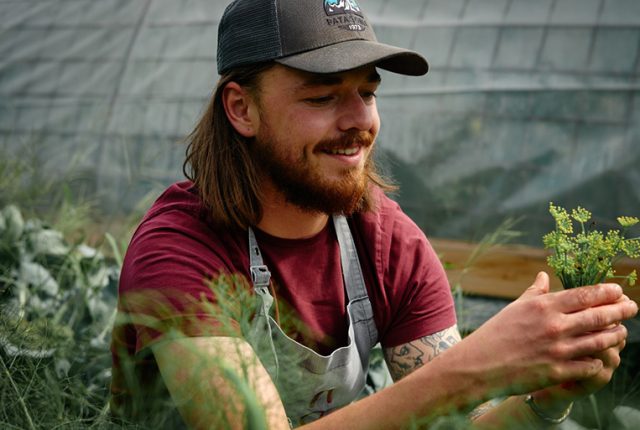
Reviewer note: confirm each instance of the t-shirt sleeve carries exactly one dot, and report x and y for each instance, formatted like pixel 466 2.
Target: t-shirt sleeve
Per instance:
pixel 171 285
pixel 420 298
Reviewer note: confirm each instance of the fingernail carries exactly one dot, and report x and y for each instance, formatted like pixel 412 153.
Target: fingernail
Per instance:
pixel 616 288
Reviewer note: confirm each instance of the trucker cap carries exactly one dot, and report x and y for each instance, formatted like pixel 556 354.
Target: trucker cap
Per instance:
pixel 320 36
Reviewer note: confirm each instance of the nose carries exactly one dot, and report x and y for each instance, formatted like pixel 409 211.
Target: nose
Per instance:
pixel 356 113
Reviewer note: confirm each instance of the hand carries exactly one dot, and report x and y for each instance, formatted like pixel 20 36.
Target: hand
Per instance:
pixel 546 339
pixel 557 398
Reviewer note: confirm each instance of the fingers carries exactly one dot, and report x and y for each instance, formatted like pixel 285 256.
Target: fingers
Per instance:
pixel 610 361
pixel 577 299
pixel 582 368
pixel 610 357
pixel 591 344
pixel 600 317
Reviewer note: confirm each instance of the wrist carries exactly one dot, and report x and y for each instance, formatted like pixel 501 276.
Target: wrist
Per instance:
pixel 551 402
pixel 551 412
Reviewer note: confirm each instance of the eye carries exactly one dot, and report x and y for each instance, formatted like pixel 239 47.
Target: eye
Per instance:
pixel 319 100
pixel 368 95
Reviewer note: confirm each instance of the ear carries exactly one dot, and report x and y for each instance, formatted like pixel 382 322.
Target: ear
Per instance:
pixel 241 109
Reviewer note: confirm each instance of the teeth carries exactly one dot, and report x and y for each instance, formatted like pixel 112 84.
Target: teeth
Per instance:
pixel 344 151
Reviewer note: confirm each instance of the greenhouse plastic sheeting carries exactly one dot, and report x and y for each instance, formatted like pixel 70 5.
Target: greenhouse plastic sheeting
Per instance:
pixel 526 102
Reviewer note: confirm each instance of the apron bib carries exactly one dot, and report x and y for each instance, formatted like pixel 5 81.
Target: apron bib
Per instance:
pixel 312 385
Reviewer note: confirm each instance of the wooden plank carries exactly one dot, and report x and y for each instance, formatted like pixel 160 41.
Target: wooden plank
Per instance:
pixel 505 271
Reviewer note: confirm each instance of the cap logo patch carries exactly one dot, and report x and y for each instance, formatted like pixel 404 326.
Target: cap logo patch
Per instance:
pixel 345 14
pixel 339 7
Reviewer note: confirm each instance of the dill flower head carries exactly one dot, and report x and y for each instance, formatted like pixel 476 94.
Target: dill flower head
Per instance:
pixel 581 215
pixel 560 215
pixel 632 277
pixel 587 257
pixel 628 221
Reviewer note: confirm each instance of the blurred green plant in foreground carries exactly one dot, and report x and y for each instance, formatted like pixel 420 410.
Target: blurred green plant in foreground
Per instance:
pixel 588 256
pixel 57 307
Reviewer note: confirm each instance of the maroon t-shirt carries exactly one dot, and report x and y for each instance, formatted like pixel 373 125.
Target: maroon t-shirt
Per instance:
pixel 175 252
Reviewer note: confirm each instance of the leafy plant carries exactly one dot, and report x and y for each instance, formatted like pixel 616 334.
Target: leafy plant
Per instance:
pixel 588 256
pixel 57 304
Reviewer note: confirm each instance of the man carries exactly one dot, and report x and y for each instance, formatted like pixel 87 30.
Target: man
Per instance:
pixel 285 203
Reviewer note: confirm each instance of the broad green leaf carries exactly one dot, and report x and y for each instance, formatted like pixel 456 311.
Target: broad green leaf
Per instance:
pixel 39 278
pixel 14 224
pixel 88 252
pixel 47 242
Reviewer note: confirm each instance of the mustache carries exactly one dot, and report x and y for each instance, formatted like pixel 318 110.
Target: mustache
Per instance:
pixel 347 140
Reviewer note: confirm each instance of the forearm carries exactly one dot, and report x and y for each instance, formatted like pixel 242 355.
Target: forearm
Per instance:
pixel 218 382
pixel 433 390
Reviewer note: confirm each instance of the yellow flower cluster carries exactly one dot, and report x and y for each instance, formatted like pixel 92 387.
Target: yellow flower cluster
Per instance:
pixel 627 221
pixel 563 222
pixel 587 257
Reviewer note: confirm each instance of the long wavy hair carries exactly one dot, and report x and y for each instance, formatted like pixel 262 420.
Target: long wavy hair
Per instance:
pixel 219 162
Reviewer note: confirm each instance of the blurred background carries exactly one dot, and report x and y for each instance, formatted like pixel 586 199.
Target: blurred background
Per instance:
pixel 526 102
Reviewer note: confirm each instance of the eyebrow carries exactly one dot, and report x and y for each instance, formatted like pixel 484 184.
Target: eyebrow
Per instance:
pixel 319 80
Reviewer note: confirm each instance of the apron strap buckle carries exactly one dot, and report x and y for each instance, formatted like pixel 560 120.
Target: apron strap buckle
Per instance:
pixel 260 275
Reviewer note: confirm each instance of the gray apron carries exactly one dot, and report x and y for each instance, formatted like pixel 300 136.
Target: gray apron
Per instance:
pixel 309 384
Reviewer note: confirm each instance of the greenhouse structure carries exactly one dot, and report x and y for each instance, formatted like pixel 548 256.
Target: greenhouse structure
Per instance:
pixel 526 102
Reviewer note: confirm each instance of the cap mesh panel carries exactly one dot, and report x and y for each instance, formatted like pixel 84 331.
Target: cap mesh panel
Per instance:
pixel 245 37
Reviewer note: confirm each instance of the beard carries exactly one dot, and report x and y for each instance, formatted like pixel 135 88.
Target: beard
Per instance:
pixel 303 184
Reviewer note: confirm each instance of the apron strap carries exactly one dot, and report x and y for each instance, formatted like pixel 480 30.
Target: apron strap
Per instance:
pixel 354 281
pixel 260 275
pixel 260 278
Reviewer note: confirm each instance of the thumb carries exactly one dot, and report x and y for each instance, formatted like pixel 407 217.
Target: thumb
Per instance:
pixel 540 286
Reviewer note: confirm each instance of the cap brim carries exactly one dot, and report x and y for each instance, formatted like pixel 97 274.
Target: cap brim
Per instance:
pixel 352 54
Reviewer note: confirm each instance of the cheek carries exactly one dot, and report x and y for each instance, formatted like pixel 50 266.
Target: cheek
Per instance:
pixel 376 122
pixel 309 125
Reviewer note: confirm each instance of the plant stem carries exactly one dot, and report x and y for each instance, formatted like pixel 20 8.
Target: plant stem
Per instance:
pixel 594 406
pixel 108 326
pixel 20 399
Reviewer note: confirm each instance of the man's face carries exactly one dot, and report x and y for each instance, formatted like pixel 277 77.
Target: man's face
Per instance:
pixel 316 135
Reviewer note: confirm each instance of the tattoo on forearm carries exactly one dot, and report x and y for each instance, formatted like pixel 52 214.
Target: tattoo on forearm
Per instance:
pixel 404 359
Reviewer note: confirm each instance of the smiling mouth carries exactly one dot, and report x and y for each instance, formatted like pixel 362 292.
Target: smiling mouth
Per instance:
pixel 343 151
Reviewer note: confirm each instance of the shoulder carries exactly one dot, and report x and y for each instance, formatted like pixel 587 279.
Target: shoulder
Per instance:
pixel 411 294
pixel 180 214
pixel 176 243
pixel 178 205
pixel 389 220
pixel 391 234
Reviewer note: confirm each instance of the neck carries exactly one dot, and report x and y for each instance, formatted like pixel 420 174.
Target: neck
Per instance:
pixel 293 224
pixel 282 219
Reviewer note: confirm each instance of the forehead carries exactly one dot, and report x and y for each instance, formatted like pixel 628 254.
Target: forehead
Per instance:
pixel 283 77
